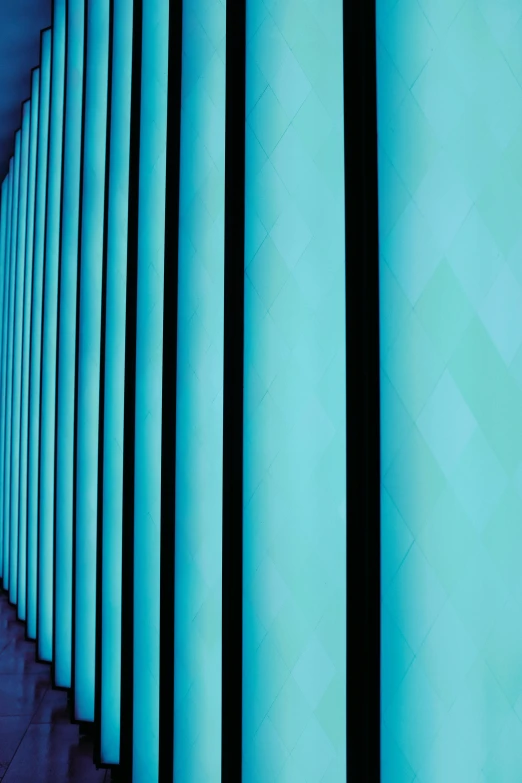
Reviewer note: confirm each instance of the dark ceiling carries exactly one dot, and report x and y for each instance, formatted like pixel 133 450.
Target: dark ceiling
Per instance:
pixel 20 25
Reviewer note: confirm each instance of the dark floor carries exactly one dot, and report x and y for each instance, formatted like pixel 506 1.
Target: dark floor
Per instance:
pixel 38 744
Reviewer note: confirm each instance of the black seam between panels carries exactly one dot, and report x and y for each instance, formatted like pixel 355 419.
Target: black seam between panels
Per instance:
pixel 362 392
pixel 169 407
pixel 127 664
pixel 101 438
pixel 58 311
pixel 232 634
pixel 76 362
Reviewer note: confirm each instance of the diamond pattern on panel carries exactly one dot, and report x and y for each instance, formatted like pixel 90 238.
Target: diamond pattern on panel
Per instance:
pixel 294 712
pixel 450 178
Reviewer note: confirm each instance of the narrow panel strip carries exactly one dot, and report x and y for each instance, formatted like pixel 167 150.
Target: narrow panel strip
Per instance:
pixel 4 272
pixel 5 518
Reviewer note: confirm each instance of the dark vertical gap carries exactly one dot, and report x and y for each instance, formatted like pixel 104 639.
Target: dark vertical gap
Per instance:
pixel 362 392
pixel 127 664
pixel 232 639
pixel 77 363
pixel 168 422
pixel 53 662
pixel 101 439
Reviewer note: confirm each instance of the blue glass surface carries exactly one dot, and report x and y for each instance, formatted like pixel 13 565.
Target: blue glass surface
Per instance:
pixel 49 339
pixel 294 567
pixel 36 335
pixel 91 267
pixel 17 358
pixel 199 428
pixel 5 520
pixel 8 504
pixel 149 365
pixel 4 272
pixel 67 344
pixel 118 209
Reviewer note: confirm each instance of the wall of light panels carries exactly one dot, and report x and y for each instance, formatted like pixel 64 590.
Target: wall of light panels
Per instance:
pixel 65 407
pixel 36 333
pixel 89 337
pixel 450 187
pixel 4 272
pixel 49 339
pixel 112 510
pixel 199 429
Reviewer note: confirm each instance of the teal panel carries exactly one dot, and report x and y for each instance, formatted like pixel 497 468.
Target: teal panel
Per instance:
pixel 36 336
pixel 49 339
pixel 89 340
pixel 450 188
pixel 5 519
pixel 199 429
pixel 10 582
pixel 4 273
pixel 117 229
pixel 149 370
pixel 294 578
pixel 67 344
pixel 19 533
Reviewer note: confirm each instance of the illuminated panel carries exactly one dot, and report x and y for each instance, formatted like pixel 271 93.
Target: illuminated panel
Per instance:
pixel 450 192
pixel 36 333
pixel 49 340
pixel 9 582
pixel 118 209
pixel 28 290
pixel 67 345
pixel 7 300
pixel 294 570
pixel 4 272
pixel 149 364
pixel 17 357
pixel 91 265
pixel 199 428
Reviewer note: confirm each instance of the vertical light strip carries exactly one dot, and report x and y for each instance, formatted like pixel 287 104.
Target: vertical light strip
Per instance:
pixel 91 266
pixel 118 209
pixel 294 692
pixel 17 354
pixel 149 348
pixel 36 333
pixel 4 272
pixel 28 295
pixel 49 340
pixel 63 597
pixel 199 427
pixel 450 193
pixel 5 521
pixel 13 534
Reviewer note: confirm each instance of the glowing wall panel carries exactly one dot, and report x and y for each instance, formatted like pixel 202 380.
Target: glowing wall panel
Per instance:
pixel 118 209
pixel 199 426
pixel 26 347
pixel 5 521
pixel 149 352
pixel 67 344
pixel 91 265
pixel 4 272
pixel 17 534
pixel 450 188
pixel 294 569
pixel 49 339
pixel 9 580
pixel 33 461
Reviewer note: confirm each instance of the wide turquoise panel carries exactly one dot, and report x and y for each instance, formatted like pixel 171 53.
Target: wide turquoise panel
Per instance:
pixel 199 429
pixel 149 370
pixel 36 335
pixel 4 272
pixel 294 568
pixel 89 338
pixel 18 535
pixel 117 229
pixel 450 189
pixel 10 582
pixel 26 347
pixel 67 344
pixel 49 339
